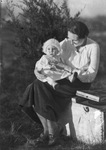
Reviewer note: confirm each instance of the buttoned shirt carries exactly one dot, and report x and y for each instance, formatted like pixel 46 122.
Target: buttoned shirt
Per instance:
pixel 85 61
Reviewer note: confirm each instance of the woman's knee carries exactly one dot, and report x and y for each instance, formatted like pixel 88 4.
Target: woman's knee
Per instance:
pixel 38 83
pixel 35 82
pixel 29 85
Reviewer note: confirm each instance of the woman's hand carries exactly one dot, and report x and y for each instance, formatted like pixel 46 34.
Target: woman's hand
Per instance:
pixel 76 70
pixel 39 75
pixel 73 77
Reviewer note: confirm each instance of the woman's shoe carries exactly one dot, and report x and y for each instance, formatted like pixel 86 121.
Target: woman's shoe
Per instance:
pixel 42 138
pixel 53 138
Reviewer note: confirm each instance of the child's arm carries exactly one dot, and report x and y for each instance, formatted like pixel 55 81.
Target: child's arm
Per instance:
pixel 38 71
pixel 64 67
pixel 39 75
pixel 40 63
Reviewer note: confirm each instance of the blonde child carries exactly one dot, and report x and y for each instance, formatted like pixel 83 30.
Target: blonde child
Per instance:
pixel 50 64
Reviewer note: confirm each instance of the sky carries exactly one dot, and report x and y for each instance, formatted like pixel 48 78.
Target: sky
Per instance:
pixel 88 8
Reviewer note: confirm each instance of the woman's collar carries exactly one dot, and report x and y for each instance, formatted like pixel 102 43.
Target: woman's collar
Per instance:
pixel 79 48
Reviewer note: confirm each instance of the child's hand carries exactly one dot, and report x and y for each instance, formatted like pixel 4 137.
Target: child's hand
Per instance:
pixel 52 63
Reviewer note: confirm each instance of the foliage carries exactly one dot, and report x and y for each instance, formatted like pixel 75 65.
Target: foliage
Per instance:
pixel 39 21
pixel 17 76
pixel 98 33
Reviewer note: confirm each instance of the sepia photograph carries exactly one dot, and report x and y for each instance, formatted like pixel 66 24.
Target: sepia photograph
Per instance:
pixel 52 75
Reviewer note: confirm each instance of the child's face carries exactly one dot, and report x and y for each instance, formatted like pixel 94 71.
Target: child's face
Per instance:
pixel 51 50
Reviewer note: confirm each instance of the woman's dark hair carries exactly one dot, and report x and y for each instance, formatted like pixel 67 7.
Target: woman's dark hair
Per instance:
pixel 79 28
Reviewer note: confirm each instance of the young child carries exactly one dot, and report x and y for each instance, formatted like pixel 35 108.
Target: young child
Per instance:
pixel 50 65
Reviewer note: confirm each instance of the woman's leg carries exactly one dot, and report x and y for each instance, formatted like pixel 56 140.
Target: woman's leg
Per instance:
pixel 54 132
pixel 49 103
pixel 52 126
pixel 44 124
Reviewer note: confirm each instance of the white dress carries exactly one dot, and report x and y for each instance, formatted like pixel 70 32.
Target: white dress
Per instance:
pixel 52 67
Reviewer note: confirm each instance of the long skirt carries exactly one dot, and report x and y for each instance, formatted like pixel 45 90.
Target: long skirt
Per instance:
pixel 49 102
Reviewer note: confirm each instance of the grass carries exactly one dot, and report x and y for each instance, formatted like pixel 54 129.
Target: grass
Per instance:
pixel 20 135
pixel 18 131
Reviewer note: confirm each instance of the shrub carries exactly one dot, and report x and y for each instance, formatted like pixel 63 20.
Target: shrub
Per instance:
pixel 40 20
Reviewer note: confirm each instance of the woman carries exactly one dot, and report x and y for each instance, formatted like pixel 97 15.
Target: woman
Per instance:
pixel 83 54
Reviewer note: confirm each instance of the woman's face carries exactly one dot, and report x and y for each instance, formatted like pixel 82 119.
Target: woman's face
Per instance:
pixel 51 50
pixel 75 39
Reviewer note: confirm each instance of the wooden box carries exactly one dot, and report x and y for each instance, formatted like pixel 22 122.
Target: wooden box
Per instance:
pixel 85 122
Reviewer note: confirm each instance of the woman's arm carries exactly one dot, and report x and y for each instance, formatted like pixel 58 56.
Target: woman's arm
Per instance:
pixel 89 74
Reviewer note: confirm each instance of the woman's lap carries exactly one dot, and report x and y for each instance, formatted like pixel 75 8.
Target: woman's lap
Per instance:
pixel 49 102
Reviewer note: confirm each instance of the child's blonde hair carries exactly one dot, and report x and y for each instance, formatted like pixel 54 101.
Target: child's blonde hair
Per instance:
pixel 52 42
